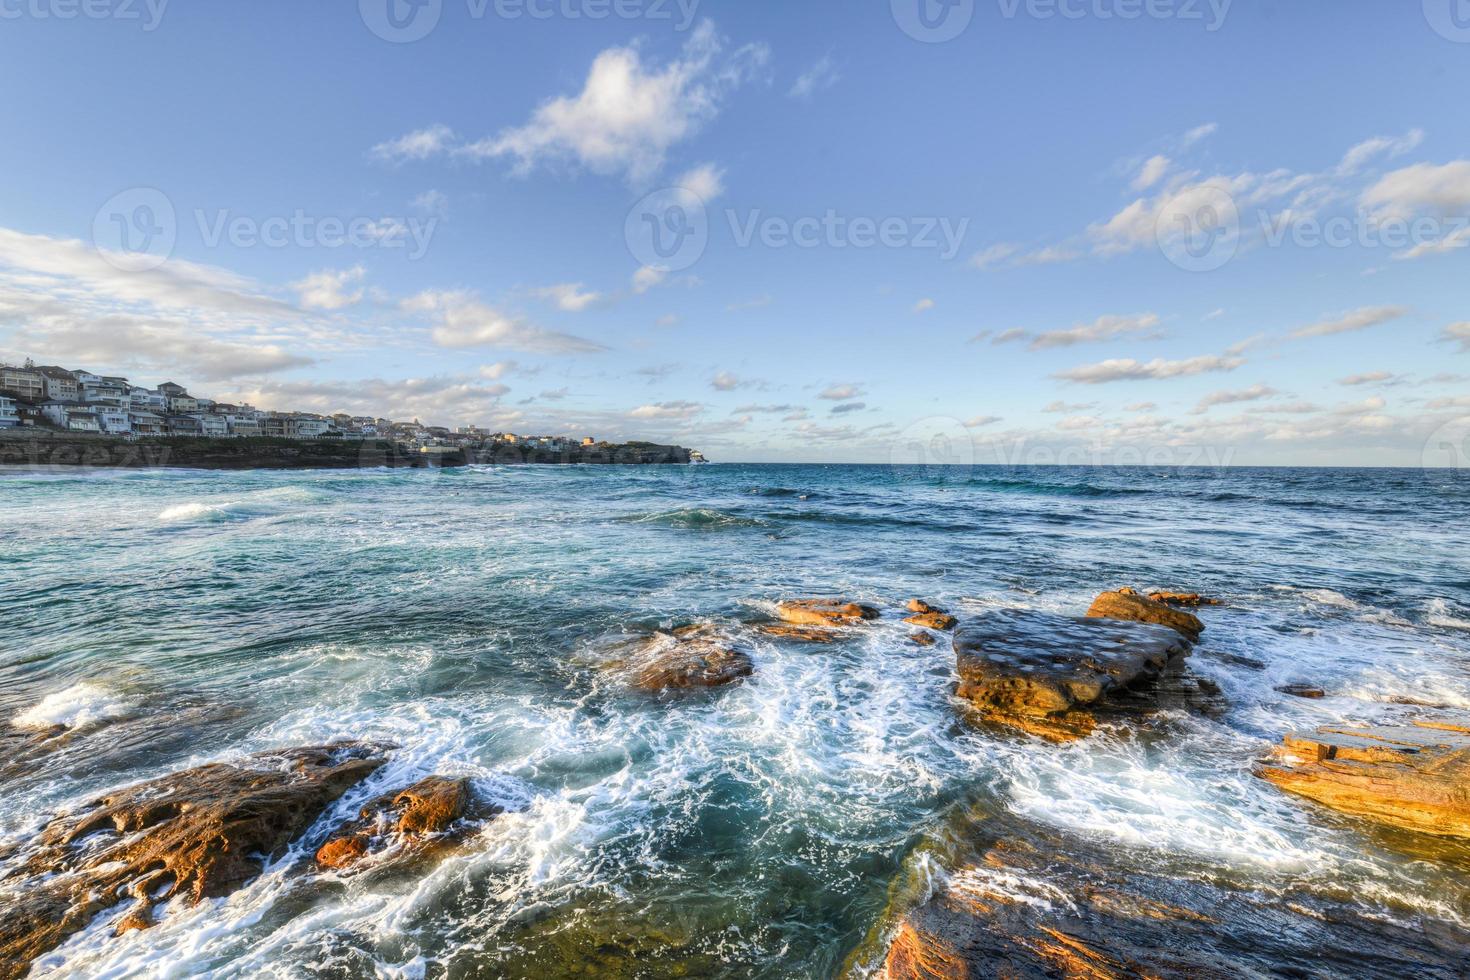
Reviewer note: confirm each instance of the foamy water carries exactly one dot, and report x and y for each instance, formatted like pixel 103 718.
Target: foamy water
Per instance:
pixel 464 617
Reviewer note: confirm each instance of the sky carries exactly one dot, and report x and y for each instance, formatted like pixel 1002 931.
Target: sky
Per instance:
pixel 1173 232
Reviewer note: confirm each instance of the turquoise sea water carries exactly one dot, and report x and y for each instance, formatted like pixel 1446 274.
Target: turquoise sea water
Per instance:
pixel 465 616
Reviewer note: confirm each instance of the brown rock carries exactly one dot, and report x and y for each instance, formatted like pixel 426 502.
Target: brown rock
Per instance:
pixel 801 634
pixel 920 606
pixel 431 808
pixel 923 639
pixel 197 834
pixel 1042 673
pixel 1302 691
pixel 688 657
pixel 1126 604
pixel 825 612
pixel 1414 776
pixel 934 621
pixel 1186 600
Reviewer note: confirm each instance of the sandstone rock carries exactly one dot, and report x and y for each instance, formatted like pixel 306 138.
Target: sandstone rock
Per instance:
pixel 1042 672
pixel 688 657
pixel 197 834
pixel 801 634
pixel 1126 604
pixel 920 606
pixel 825 612
pixel 1302 691
pixel 1186 600
pixel 934 621
pixel 1415 776
pixel 923 639
pixel 430 810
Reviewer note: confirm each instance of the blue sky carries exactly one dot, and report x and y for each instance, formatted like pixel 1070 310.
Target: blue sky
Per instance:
pixel 1100 231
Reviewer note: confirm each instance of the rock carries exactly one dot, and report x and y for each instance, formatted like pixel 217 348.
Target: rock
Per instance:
pixel 1414 776
pixel 923 639
pixel 196 834
pixel 801 634
pixel 1126 604
pixel 1186 600
pixel 825 612
pixel 688 657
pixel 1302 691
pixel 1034 904
pixel 1043 673
pixel 920 606
pixel 431 810
pixel 934 621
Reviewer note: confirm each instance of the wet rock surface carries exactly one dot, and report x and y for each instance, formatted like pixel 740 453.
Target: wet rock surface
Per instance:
pixel 196 834
pixel 933 620
pixel 1044 673
pixel 695 656
pixel 436 810
pixel 1415 776
pixel 801 634
pixel 1033 903
pixel 1183 600
pixel 825 612
pixel 1129 605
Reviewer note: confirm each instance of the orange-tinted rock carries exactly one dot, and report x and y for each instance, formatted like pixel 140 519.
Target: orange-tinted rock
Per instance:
pixel 431 808
pixel 923 639
pixel 933 620
pixel 920 606
pixel 1128 605
pixel 1413 776
pixel 688 657
pixel 825 612
pixel 1184 600
pixel 801 634
pixel 196 834
pixel 1044 673
pixel 1302 691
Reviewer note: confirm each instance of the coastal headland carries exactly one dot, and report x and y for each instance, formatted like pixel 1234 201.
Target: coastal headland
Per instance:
pixel 45 449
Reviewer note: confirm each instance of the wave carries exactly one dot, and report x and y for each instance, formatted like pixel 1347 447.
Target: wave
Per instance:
pixel 1440 613
pixel 79 706
pixel 1059 489
pixel 782 492
pixel 265 503
pixel 696 518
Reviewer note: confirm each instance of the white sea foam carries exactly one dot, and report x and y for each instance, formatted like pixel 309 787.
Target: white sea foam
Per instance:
pixel 79 706
pixel 1439 612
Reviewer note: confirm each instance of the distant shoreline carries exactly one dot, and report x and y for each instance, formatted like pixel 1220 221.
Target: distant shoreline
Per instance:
pixel 40 450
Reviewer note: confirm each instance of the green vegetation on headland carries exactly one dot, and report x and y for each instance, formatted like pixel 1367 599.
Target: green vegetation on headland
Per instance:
pixel 73 449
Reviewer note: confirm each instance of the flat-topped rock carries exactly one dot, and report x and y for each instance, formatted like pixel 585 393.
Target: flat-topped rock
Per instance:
pixel 196 834
pixel 1184 600
pixel 1043 672
pixel 432 810
pixel 1414 776
pixel 935 620
pixel 801 634
pixel 1129 605
pixel 694 656
pixel 825 612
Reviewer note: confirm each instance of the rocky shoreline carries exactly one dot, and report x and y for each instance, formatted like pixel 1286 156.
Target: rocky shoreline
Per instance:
pixel 998 896
pixel 40 450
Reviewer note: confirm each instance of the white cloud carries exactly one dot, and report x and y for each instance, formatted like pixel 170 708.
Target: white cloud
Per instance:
pixel 418 145
pixel 329 289
pixel 463 321
pixel 841 392
pixel 498 370
pixel 1064 408
pixel 1254 393
pixel 1359 319
pixel 924 305
pixel 1422 188
pixel 1358 156
pixel 1458 333
pixel 725 381
pixel 820 76
pixel 1007 336
pixel 705 182
pixel 1151 172
pixel 432 202
pixel 679 410
pixel 1141 407
pixel 629 114
pixel 1128 369
pixel 1368 378
pixel 981 421
pixel 1103 328
pixel 1199 132
pixel 569 296
pixel 648 277
pixel 994 255
pixel 436 400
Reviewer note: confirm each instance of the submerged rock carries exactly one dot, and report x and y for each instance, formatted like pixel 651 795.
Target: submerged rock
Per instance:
pixel 1127 604
pixel 825 612
pixel 688 657
pixel 430 811
pixel 1302 691
pixel 196 834
pixel 1415 776
pixel 923 639
pixel 801 634
pixel 1185 600
pixel 1043 673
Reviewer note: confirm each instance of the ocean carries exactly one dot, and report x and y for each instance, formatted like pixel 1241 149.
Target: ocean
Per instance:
pixel 172 618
